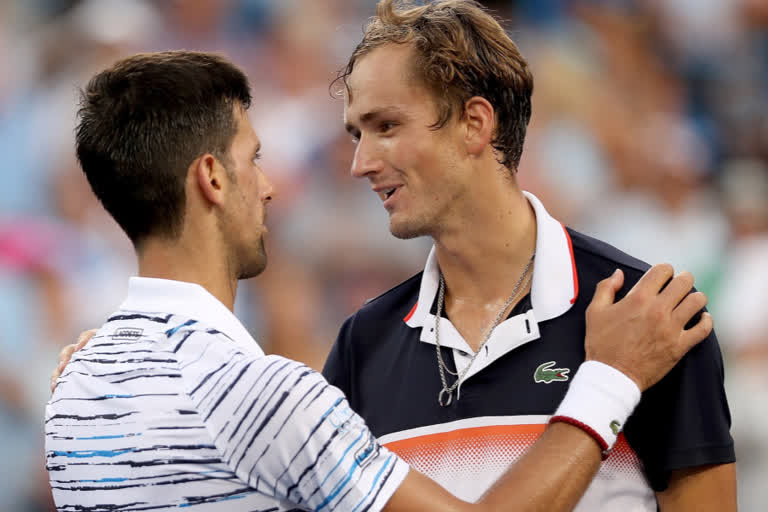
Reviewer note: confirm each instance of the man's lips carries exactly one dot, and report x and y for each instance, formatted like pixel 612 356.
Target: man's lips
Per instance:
pixel 386 191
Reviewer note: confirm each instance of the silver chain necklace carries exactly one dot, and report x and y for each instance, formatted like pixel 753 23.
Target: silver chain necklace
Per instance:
pixel 445 397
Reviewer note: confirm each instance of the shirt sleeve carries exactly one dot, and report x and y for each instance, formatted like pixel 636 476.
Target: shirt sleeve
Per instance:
pixel 285 431
pixel 337 370
pixel 683 421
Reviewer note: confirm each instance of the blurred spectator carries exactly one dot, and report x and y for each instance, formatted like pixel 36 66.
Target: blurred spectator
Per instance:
pixel 650 130
pixel 743 324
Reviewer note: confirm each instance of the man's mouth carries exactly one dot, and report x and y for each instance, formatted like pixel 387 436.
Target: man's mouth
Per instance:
pixel 386 193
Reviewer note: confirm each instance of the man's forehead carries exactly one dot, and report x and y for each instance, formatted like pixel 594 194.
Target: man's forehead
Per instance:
pixel 379 81
pixel 245 128
pixel 387 64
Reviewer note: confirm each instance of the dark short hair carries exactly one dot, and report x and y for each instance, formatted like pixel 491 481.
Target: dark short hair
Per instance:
pixel 461 51
pixel 143 121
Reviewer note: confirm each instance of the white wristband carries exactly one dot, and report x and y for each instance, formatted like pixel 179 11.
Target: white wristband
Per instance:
pixel 599 400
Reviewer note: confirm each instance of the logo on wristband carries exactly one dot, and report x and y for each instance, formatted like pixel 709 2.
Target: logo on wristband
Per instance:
pixel 546 374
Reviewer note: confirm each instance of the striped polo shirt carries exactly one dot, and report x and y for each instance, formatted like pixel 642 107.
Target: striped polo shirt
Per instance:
pixel 173 404
pixel 384 360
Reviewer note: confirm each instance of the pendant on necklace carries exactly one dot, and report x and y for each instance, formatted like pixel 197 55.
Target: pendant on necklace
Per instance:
pixel 446 402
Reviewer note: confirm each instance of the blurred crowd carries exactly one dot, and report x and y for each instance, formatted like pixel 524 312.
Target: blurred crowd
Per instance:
pixel 650 131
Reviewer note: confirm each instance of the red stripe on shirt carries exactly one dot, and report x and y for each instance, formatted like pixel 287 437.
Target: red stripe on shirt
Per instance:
pixel 573 264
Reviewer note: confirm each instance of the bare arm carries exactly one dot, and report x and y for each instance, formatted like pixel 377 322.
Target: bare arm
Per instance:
pixel 534 483
pixel 704 489
pixel 553 474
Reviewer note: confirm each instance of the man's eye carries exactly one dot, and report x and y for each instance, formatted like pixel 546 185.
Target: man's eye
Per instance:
pixel 385 127
pixel 355 140
pixel 256 157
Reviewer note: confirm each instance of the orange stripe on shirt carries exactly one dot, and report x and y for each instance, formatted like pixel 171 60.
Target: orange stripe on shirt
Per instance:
pixel 410 314
pixel 464 434
pixel 441 442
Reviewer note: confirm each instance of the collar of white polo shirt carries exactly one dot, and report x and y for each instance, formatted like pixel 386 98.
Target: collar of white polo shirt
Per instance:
pixel 188 300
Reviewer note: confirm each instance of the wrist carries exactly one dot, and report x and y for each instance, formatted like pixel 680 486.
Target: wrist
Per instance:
pixel 599 400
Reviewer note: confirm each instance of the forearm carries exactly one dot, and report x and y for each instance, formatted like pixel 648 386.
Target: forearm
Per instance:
pixel 556 471
pixel 552 475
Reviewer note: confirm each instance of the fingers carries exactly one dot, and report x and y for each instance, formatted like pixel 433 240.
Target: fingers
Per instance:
pixel 54 378
pixel 688 308
pixel 677 289
pixel 697 333
pixel 84 338
pixel 605 292
pixel 653 280
pixel 64 356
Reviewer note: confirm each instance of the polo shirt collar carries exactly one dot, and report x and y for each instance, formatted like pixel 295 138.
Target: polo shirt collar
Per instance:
pixel 555 283
pixel 189 300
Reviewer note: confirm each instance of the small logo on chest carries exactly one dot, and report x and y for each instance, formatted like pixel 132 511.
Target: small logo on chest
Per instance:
pixel 127 333
pixel 546 374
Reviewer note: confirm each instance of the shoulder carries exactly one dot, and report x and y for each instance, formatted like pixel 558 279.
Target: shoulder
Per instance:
pixel 595 260
pixel 226 380
pixel 407 289
pixel 378 321
pixel 586 247
pixel 695 431
pixel 395 303
pixel 201 348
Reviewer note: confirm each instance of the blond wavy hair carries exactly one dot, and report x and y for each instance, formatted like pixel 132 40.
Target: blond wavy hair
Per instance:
pixel 461 51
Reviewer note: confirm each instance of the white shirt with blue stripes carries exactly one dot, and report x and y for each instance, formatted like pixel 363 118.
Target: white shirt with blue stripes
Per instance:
pixel 173 404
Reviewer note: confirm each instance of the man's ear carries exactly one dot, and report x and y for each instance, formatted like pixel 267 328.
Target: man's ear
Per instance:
pixel 480 122
pixel 210 178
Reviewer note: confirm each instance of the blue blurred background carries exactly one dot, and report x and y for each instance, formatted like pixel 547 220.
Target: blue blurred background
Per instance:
pixel 650 130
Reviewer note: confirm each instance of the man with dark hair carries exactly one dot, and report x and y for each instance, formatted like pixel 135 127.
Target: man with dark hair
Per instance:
pixel 141 125
pixel 459 368
pixel 173 404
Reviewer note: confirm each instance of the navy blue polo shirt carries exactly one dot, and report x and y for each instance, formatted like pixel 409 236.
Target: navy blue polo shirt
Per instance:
pixel 384 361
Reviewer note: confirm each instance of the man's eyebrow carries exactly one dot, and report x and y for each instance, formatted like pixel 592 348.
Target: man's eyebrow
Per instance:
pixel 370 117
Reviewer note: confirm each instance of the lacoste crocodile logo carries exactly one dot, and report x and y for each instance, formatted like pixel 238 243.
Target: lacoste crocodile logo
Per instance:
pixel 546 374
pixel 615 427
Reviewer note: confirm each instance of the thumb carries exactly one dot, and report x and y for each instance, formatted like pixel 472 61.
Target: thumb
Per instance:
pixel 605 293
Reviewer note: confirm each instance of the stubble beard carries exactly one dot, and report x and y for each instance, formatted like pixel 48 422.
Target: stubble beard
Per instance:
pixel 410 228
pixel 428 222
pixel 407 232
pixel 254 262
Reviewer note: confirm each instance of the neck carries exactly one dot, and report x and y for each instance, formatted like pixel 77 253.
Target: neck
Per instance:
pixel 180 260
pixel 484 256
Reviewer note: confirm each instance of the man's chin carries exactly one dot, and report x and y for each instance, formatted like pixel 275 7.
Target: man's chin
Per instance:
pixel 253 270
pixel 406 230
pixel 254 267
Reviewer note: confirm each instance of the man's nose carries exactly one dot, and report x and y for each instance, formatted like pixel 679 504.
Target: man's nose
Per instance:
pixel 367 159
